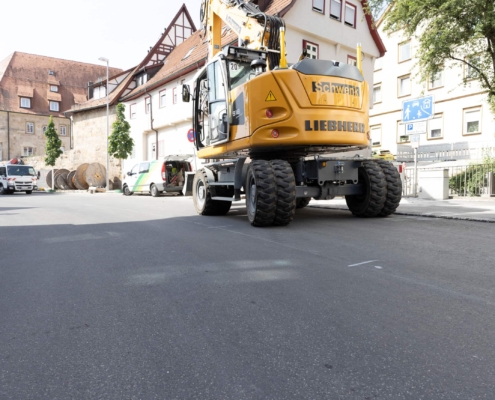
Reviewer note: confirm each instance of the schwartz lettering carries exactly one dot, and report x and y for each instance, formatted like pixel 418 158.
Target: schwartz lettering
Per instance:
pixel 338 88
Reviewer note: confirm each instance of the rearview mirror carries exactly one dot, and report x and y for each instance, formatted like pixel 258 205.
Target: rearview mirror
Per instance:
pixel 38 174
pixel 186 94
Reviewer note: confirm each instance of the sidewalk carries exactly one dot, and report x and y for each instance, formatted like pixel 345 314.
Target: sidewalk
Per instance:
pixel 470 209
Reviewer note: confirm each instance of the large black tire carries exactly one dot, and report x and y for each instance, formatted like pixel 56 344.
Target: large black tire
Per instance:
pixel 127 191
pixel 3 191
pixel 261 193
pixel 154 190
pixel 302 202
pixel 371 202
pixel 202 197
pixel 286 192
pixel 394 188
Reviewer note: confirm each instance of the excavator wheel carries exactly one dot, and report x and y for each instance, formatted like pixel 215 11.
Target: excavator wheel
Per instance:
pixel 202 197
pixel 261 193
pixel 371 202
pixel 286 192
pixel 394 188
pixel 302 202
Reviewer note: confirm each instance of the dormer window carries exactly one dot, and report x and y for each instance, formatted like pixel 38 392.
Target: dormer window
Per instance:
pixel 54 88
pixel 141 79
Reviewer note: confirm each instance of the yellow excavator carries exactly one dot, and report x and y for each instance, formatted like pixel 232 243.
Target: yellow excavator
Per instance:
pixel 268 130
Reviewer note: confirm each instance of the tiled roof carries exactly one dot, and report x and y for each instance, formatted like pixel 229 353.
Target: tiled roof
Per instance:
pixel 25 74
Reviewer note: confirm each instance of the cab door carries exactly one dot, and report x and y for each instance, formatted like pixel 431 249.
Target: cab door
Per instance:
pixel 217 103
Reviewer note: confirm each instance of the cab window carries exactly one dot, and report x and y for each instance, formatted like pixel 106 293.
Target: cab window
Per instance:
pixel 3 171
pixel 135 169
pixel 144 167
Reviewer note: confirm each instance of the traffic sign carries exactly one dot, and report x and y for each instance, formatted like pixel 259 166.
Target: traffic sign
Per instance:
pixel 416 128
pixel 191 135
pixel 418 109
pixel 415 141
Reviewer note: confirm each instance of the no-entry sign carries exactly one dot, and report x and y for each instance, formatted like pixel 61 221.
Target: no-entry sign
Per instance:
pixel 191 135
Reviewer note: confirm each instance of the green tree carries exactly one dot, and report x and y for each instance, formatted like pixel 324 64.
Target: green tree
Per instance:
pixel 53 144
pixel 120 143
pixel 459 31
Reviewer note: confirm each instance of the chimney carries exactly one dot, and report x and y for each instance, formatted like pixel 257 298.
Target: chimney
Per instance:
pixel 90 90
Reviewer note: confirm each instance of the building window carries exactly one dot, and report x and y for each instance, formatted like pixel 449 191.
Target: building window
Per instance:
pixel 377 94
pixel 54 106
pixel 436 80
pixel 312 49
pixel 189 52
pixel 174 95
pixel 44 129
pixel 378 63
pixel 319 6
pixel 29 127
pixel 63 130
pixel 132 111
pixel 160 148
pixel 25 102
pixel 404 83
pixel 53 88
pixel 163 98
pixel 435 127
pixel 351 60
pixel 376 135
pixel 350 15
pixel 472 121
pixel 28 151
pixel 469 71
pixel 405 51
pixel 147 104
pixel 336 9
pixel 401 133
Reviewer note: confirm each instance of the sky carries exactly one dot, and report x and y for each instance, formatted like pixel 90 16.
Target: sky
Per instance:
pixel 84 30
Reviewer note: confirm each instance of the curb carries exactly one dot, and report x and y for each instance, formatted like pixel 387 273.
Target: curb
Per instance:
pixel 412 214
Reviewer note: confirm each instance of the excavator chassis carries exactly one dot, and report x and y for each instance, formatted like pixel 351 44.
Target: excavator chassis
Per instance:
pixel 273 189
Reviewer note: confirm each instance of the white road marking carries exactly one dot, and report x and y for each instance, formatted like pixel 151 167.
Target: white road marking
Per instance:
pixel 377 267
pixel 366 262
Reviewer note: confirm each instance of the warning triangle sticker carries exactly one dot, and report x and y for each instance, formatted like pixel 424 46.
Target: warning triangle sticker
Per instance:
pixel 270 97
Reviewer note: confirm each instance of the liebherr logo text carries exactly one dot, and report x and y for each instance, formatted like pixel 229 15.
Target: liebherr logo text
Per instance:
pixel 339 88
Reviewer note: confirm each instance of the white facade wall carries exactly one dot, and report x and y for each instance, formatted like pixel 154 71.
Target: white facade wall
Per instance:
pixel 453 101
pixel 171 120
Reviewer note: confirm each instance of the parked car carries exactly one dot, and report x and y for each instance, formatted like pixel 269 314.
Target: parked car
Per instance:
pixel 157 176
pixel 18 178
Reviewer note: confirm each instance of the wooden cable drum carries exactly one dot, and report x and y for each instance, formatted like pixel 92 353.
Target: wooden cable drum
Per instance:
pixel 70 180
pixel 63 172
pixel 49 178
pixel 61 181
pixel 79 178
pixel 96 175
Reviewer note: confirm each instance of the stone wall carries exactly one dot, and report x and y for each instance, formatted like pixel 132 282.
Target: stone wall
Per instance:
pixel 16 123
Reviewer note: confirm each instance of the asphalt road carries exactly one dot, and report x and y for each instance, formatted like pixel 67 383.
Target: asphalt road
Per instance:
pixel 108 297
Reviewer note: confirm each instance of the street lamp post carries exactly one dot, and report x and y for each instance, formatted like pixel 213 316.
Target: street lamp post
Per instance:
pixel 108 121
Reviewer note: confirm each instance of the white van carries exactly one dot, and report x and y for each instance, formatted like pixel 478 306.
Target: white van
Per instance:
pixel 17 178
pixel 157 176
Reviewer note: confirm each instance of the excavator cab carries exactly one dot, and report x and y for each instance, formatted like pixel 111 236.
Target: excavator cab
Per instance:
pixel 213 112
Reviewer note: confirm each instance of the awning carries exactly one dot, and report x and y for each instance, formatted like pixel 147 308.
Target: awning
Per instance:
pixel 25 91
pixel 53 96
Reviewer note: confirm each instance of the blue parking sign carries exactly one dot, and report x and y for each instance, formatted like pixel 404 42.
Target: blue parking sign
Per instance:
pixel 418 109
